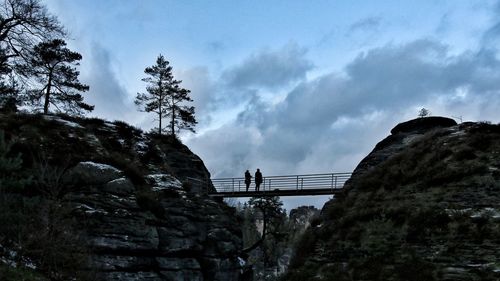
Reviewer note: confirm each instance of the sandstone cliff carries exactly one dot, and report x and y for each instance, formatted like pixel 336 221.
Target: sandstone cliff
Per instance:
pixel 423 205
pixel 131 206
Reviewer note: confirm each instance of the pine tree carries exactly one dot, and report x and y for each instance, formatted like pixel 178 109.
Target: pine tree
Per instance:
pixel 165 98
pixel 271 209
pixel 423 113
pixel 23 24
pixel 53 66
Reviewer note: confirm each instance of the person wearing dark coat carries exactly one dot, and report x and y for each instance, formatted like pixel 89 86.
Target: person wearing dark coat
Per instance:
pixel 258 179
pixel 248 179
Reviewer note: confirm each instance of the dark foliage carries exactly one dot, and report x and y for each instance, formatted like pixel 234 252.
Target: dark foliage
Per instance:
pixel 149 200
pixel 54 67
pixel 37 227
pixel 127 132
pixel 130 168
pixel 23 24
pixel 414 214
pixel 302 249
pixel 165 98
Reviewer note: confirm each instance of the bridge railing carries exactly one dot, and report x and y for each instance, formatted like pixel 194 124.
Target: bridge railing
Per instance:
pixel 289 182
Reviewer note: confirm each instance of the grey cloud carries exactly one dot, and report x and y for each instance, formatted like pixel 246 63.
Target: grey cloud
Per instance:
pixel 216 46
pixel 106 93
pixel 365 24
pixel 203 92
pixel 270 69
pixel 491 36
pixel 330 123
pixel 444 24
pixel 226 150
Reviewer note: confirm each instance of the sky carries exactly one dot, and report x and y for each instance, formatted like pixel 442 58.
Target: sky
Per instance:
pixel 287 86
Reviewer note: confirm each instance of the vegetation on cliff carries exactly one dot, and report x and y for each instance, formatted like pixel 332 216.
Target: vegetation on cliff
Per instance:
pixel 268 238
pixel 88 199
pixel 422 206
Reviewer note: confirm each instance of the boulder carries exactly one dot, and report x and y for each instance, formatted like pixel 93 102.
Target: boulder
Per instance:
pixel 94 173
pixel 121 186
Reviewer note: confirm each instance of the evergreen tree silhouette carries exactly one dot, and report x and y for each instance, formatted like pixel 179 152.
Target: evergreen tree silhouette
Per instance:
pixel 165 98
pixel 53 66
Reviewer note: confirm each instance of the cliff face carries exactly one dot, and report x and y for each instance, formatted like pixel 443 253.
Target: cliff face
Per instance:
pixel 135 201
pixel 423 205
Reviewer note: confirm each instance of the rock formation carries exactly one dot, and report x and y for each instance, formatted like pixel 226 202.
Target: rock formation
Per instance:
pixel 138 200
pixel 423 205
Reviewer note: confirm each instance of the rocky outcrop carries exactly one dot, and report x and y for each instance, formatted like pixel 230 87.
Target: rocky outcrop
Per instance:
pixel 138 200
pixel 194 238
pixel 423 205
pixel 301 217
pixel 401 136
pixel 423 125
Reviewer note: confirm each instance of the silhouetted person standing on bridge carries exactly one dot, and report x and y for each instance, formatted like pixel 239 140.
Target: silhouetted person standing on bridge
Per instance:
pixel 248 179
pixel 258 180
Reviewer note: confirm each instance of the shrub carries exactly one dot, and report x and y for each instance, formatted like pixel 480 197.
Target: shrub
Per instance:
pixel 426 221
pixel 11 176
pixel 187 186
pixel 315 221
pixel 148 200
pixel 466 153
pixel 333 210
pixel 127 131
pixel 130 168
pixel 152 154
pixel 371 268
pixel 173 141
pixel 19 274
pixel 304 273
pixel 303 248
pixel 45 232
pixel 416 269
pixel 94 121
pixel 381 239
pixel 480 141
pixel 170 193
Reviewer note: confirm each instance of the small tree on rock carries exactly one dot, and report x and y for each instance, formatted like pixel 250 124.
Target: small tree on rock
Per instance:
pixel 423 113
pixel 165 98
pixel 53 66
pixel 271 209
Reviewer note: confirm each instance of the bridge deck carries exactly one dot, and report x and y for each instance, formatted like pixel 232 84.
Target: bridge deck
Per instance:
pixel 291 185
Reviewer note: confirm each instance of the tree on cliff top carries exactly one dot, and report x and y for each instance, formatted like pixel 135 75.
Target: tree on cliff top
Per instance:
pixel 164 97
pixel 23 24
pixel 53 66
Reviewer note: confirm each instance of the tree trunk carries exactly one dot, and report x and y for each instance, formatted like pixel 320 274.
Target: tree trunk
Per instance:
pixel 159 119
pixel 262 238
pixel 47 94
pixel 172 127
pixel 159 105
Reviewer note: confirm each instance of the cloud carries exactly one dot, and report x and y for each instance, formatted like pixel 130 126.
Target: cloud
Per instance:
pixel 244 83
pixel 365 24
pixel 491 36
pixel 106 93
pixel 270 69
pixel 203 92
pixel 215 46
pixel 330 123
pixel 229 148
